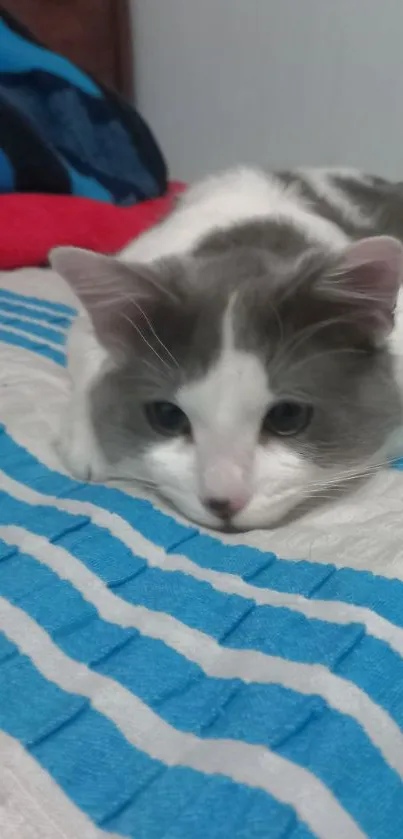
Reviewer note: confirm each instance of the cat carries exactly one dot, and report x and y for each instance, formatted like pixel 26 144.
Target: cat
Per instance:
pixel 243 355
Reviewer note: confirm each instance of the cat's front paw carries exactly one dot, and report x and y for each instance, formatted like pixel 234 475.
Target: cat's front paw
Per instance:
pixel 79 451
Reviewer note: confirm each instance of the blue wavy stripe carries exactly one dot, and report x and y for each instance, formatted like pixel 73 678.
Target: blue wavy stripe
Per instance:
pixel 27 344
pixel 179 691
pixel 36 329
pixel 17 55
pixel 13 296
pixel 48 317
pixel 118 786
pixel 7 174
pixel 235 622
pixel 88 187
pixel 265 570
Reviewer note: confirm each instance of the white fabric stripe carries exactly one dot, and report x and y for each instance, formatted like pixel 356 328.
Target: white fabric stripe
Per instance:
pixel 215 660
pixel 32 805
pixel 252 765
pixel 42 283
pixel 27 319
pixel 39 339
pixel 327 610
pixel 36 306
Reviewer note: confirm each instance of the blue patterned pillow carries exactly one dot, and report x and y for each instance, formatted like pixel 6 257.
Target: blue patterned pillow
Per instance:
pixel 60 132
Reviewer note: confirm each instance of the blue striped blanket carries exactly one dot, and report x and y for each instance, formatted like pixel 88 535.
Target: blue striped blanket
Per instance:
pixel 158 682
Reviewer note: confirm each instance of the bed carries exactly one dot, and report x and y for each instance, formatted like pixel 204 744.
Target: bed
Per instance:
pixel 161 682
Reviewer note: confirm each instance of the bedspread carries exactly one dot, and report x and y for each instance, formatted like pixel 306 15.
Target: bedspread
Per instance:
pixel 162 682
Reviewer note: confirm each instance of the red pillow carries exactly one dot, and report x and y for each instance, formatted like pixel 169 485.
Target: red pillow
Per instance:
pixel 31 225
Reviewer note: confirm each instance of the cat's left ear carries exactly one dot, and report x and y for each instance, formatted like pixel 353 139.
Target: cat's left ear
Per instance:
pixel 368 279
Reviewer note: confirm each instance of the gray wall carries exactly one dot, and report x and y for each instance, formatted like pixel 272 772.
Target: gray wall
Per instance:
pixel 279 82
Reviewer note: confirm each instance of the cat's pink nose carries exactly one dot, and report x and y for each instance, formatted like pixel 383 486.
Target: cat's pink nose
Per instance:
pixel 225 508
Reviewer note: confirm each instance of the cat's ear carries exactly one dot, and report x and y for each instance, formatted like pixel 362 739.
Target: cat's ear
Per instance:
pixel 367 280
pixel 112 292
pixel 102 281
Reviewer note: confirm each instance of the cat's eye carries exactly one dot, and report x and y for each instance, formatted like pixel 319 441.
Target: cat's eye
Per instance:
pixel 287 418
pixel 167 419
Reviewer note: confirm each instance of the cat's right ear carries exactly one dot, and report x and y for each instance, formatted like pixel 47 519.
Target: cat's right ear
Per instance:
pixel 112 292
pixel 101 281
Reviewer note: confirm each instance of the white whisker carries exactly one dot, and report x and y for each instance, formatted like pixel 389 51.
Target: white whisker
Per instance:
pixel 148 343
pixel 295 342
pixel 335 351
pixel 156 336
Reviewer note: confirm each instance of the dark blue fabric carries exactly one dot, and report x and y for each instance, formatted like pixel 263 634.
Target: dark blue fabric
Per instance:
pixel 60 132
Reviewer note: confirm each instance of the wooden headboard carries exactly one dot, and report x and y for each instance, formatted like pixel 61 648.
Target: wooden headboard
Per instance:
pixel 95 34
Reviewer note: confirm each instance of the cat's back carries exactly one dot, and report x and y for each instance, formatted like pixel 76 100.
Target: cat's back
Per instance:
pixel 214 203
pixel 360 204
pixel 328 206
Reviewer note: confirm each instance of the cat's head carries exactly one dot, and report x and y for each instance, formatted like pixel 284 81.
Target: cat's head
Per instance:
pixel 239 383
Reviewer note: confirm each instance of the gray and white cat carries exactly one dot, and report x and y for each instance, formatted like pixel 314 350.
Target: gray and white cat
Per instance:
pixel 245 353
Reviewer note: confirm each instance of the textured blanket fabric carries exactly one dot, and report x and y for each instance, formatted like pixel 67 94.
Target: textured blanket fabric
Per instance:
pixel 157 682
pixel 60 132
